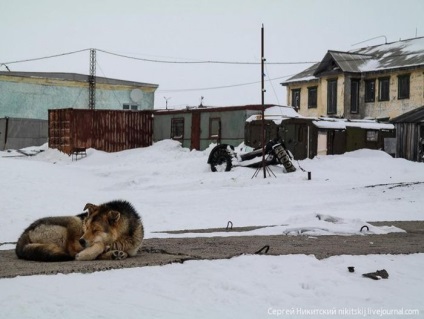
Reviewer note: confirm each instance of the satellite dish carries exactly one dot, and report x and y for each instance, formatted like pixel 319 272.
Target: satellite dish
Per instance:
pixel 136 95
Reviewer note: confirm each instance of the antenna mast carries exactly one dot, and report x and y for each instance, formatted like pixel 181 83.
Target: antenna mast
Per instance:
pixel 92 81
pixel 263 100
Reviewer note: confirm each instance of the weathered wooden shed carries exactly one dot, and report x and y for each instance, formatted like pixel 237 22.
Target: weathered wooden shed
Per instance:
pixel 337 136
pixel 306 137
pixel 410 135
pixel 198 127
pixel 106 130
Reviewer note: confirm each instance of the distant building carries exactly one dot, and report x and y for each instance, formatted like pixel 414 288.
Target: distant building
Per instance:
pixel 198 127
pixel 307 137
pixel 382 81
pixel 32 94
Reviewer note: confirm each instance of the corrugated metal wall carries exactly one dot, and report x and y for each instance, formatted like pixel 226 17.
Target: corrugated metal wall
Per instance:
pixel 407 141
pixel 17 133
pixel 106 130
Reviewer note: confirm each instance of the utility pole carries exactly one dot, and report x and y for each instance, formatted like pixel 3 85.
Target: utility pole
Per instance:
pixel 92 81
pixel 263 100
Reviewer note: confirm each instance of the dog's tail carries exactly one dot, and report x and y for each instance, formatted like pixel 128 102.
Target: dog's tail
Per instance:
pixel 40 252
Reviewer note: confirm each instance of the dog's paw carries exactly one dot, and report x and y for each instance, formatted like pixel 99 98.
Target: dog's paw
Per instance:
pixel 80 257
pixel 119 255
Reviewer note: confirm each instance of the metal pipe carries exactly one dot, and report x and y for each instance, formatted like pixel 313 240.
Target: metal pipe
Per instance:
pixel 263 100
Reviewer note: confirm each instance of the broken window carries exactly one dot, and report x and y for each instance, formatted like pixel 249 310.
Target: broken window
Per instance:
pixel 296 99
pixel 215 128
pixel 177 128
pixel 372 136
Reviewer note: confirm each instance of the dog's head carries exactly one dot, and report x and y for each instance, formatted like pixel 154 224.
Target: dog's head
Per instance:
pixel 99 226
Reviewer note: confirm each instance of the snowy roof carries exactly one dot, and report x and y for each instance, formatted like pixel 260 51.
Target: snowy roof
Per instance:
pixel 277 114
pixel 395 55
pixel 334 125
pixel 399 54
pixel 341 124
pixel 304 76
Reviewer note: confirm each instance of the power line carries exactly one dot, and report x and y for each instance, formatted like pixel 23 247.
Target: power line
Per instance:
pixel 45 57
pixel 113 91
pixel 272 86
pixel 222 87
pixel 361 58
pixel 155 60
pixel 198 62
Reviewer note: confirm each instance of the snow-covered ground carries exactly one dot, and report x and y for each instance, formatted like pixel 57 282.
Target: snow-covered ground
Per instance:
pixel 173 188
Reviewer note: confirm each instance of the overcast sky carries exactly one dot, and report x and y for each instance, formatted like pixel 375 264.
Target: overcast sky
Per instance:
pixel 198 30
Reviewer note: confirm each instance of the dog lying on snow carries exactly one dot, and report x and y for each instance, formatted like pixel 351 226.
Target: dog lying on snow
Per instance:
pixel 112 230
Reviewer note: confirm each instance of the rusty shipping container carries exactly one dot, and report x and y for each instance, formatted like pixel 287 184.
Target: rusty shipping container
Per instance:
pixel 105 130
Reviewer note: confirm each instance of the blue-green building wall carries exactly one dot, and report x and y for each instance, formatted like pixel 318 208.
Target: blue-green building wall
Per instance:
pixel 32 98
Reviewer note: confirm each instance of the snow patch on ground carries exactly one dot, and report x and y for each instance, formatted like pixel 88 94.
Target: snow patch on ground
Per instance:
pixel 173 188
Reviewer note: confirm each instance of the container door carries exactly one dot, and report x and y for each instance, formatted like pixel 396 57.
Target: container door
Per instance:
pixel 195 131
pixel 322 143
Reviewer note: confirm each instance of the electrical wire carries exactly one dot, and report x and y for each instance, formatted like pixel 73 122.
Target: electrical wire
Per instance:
pixel 113 91
pixel 221 87
pixel 197 62
pixel 44 58
pixel 362 57
pixel 164 61
pixel 272 86
pixel 155 60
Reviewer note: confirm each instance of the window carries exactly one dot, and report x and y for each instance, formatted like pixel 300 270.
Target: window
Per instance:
pixel 372 136
pixel 370 90
pixel 312 97
pixel 128 106
pixel 403 86
pixel 354 96
pixel 384 89
pixel 177 129
pixel 215 127
pixel 332 96
pixel 296 99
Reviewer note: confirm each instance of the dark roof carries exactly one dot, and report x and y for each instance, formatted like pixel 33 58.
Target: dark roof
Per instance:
pixel 344 61
pixel 414 116
pixel 304 76
pixel 396 55
pixel 76 77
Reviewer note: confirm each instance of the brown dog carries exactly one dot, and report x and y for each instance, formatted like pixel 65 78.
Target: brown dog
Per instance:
pixel 51 239
pixel 109 231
